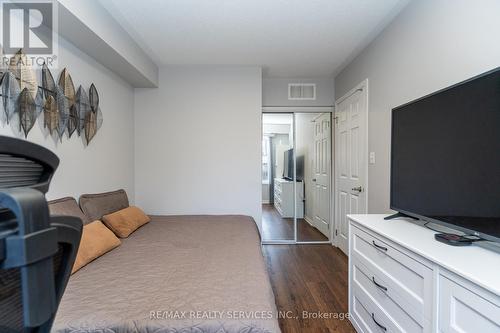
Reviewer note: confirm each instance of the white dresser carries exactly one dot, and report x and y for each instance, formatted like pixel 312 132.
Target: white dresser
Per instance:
pixel 284 198
pixel 402 280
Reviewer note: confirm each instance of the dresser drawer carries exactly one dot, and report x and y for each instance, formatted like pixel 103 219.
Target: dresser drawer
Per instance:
pixel 277 198
pixel 408 282
pixel 369 317
pixel 386 298
pixel 277 190
pixel 277 204
pixel 463 311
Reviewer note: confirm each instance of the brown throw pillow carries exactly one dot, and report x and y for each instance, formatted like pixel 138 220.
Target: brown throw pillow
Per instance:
pixel 125 221
pixel 96 240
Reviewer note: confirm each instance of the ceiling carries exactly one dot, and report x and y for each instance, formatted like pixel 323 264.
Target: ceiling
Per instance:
pixel 288 38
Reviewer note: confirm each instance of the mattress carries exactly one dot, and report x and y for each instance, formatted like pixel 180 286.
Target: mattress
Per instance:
pixel 202 274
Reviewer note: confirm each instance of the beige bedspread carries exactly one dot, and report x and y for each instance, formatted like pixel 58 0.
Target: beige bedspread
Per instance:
pixel 175 274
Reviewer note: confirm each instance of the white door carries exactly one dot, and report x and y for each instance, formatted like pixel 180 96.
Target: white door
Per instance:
pixel 350 159
pixel 321 176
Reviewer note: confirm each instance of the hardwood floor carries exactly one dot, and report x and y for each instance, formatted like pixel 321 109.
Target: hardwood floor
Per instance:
pixel 275 227
pixel 310 278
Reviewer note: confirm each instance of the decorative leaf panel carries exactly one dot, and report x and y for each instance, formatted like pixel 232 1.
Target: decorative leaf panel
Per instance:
pixel 67 86
pixel 48 83
pixel 27 111
pixel 90 126
pixel 51 115
pixel 93 123
pixel 39 102
pixel 9 94
pixel 93 98
pixel 21 68
pixel 63 110
pixel 73 122
pixel 82 105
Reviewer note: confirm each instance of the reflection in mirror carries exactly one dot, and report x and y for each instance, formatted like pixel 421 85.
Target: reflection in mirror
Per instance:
pixel 313 164
pixel 278 207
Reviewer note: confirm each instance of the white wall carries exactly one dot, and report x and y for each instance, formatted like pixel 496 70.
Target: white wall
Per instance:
pixel 198 142
pixel 108 162
pixel 275 92
pixel 432 44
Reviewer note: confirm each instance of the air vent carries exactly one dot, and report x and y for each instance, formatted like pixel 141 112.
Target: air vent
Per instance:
pixel 302 91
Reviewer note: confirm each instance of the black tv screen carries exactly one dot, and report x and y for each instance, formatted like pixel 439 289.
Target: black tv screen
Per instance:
pixel 445 157
pixel 288 164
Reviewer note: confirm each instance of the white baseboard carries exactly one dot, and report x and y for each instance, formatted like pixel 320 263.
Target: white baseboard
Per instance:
pixel 266 202
pixel 308 220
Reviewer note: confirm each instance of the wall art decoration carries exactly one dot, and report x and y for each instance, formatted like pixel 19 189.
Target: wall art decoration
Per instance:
pixel 50 115
pixel 73 122
pixel 93 119
pixel 24 73
pixel 93 122
pixel 9 90
pixel 68 88
pixel 27 111
pixel 93 97
pixel 63 111
pixel 48 83
pixel 39 102
pixel 82 106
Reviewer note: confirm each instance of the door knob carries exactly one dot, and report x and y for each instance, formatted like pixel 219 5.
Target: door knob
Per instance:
pixel 358 189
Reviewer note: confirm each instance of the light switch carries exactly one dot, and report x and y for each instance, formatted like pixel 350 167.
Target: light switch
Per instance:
pixel 372 157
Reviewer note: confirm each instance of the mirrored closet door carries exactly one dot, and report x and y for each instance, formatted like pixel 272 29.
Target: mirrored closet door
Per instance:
pixel 296 177
pixel 313 172
pixel 278 191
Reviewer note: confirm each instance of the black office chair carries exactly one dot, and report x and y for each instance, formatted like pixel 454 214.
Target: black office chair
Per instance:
pixel 37 251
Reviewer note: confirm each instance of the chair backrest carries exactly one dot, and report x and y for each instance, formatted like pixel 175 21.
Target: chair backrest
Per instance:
pixel 37 251
pixel 25 164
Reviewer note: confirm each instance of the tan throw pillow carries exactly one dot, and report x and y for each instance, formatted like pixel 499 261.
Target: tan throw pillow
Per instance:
pixel 125 221
pixel 96 240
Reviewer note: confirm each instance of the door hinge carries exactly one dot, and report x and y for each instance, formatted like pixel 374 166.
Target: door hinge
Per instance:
pixel 336 232
pixel 336 120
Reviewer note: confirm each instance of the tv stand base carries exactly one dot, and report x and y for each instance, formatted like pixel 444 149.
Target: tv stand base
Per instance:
pixel 397 215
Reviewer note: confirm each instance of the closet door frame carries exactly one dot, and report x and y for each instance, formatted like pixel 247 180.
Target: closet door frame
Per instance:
pixel 307 109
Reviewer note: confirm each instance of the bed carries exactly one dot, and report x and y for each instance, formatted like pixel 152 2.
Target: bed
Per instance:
pixel 201 274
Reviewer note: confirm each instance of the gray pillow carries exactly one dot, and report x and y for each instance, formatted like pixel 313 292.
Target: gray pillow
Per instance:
pixel 68 207
pixel 95 206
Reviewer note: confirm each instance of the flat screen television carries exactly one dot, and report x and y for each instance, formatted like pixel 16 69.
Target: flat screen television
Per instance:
pixel 288 164
pixel 445 157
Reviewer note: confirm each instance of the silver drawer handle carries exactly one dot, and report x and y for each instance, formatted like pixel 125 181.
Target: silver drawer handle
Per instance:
pixel 379 246
pixel 378 285
pixel 376 322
